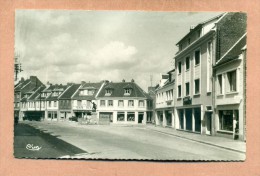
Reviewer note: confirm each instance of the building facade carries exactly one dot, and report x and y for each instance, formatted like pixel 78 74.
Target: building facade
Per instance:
pixel 123 103
pixel 164 104
pixel 199 51
pixel 230 92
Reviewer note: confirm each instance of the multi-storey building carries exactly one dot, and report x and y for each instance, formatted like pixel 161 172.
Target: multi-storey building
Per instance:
pixel 230 91
pixel 22 90
pixel 65 102
pixel 198 51
pixel 164 104
pixel 30 107
pixel 52 101
pixel 123 103
pixel 84 101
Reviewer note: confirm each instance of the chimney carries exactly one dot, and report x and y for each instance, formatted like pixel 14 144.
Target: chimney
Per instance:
pixel 132 80
pixel 22 79
pixel 123 80
pixel 83 82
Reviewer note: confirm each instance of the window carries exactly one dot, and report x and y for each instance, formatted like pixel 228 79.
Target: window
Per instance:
pixel 127 91
pixel 55 103
pixel 179 91
pixel 180 47
pixel 121 103
pixel 108 92
pixel 102 103
pixel 187 61
pixel 198 33
pixel 188 41
pixel 197 86
pixel 120 116
pixel 179 67
pixel 220 88
pixel 187 85
pixel 226 120
pixel 141 103
pixel 130 103
pixel 197 57
pixel 90 92
pixel 131 116
pixel 79 103
pixel 232 86
pixel 110 102
pixel 49 103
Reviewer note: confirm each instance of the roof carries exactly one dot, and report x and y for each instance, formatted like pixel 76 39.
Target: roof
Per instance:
pixel 36 93
pixel 56 87
pixel 199 26
pixel 70 91
pixel 95 86
pixel 118 90
pixel 234 51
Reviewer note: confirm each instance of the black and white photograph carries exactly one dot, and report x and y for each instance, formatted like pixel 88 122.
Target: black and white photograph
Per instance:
pixel 130 85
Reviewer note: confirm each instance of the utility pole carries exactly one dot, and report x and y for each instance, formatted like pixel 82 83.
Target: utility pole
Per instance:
pixel 17 66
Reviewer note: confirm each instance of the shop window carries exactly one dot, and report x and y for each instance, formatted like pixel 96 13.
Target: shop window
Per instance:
pixel 197 86
pixel 197 57
pixel 231 77
pixel 220 86
pixel 120 116
pixel 130 103
pixel 49 115
pixel 187 85
pixel 110 102
pixel 102 103
pixel 179 67
pixel 187 61
pixel 179 91
pixel 226 120
pixel 131 116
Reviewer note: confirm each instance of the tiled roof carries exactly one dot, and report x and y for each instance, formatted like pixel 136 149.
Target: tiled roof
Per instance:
pixel 36 93
pixel 234 52
pixel 21 84
pixel 60 87
pixel 70 91
pixel 118 90
pixel 96 86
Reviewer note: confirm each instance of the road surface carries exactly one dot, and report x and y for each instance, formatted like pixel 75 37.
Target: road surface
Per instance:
pixel 126 142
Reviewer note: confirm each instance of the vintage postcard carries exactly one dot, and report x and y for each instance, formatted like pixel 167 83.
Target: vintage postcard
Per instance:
pixel 130 85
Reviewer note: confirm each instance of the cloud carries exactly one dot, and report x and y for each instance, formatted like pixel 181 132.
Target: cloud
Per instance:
pixel 113 55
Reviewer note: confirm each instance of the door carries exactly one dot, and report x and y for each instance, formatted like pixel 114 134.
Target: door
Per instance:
pixel 140 117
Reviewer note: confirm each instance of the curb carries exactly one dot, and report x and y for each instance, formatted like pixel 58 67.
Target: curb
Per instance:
pixel 208 143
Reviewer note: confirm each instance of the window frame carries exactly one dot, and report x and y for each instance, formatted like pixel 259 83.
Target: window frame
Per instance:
pixel 187 69
pixel 110 104
pixel 179 67
pixel 187 83
pixel 230 82
pixel 101 104
pixel 195 60
pixel 179 92
pixel 195 92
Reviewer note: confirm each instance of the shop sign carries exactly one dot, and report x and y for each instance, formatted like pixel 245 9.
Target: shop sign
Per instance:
pixel 187 101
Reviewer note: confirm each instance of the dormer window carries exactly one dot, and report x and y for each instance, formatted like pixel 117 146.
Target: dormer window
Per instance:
pixel 86 92
pixel 127 91
pixel 108 92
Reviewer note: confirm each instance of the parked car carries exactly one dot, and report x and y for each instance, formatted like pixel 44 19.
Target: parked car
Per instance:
pixel 73 118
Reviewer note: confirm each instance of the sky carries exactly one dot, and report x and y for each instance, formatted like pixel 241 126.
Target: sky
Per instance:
pixel 60 46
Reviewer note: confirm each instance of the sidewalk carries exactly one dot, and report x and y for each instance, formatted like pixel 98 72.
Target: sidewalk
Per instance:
pixel 225 143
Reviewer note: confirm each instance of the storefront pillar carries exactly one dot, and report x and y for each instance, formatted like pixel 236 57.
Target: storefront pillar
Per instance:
pixel 193 120
pixel 145 118
pixel 184 119
pixel 164 122
pixel 173 119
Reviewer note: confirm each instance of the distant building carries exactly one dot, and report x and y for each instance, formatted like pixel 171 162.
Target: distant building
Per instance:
pixel 84 103
pixel 164 104
pixel 23 89
pixel 123 103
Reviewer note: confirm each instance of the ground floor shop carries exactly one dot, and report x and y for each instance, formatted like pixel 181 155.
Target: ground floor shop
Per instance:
pixel 32 115
pixel 164 117
pixel 51 115
pixel 194 119
pixel 124 117
pixel 230 121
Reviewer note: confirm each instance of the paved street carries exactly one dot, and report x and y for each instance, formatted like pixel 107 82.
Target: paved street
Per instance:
pixel 117 142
